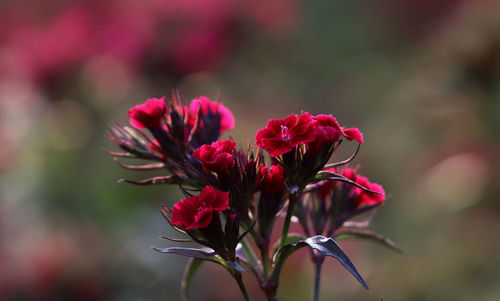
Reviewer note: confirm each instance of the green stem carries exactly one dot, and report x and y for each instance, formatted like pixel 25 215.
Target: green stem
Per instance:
pixel 318 262
pixel 252 258
pixel 291 205
pixel 264 254
pixel 243 289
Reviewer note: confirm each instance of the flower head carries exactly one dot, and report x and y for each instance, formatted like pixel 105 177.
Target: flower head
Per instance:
pixel 282 135
pixel 217 157
pixel 208 107
pixel 197 211
pixel 148 114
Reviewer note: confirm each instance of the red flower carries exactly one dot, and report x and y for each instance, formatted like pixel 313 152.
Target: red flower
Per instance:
pixel 217 157
pixel 197 211
pixel 352 134
pixel 282 135
pixel 207 106
pixel 327 131
pixel 273 178
pixel 148 114
pixel 361 196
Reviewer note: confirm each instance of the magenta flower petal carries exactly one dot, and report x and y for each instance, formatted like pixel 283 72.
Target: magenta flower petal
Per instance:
pixel 282 135
pixel 197 211
pixel 204 104
pixel 149 114
pixel 353 134
pixel 217 157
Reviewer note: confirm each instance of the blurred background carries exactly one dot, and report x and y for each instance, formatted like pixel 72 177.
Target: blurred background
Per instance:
pixel 421 79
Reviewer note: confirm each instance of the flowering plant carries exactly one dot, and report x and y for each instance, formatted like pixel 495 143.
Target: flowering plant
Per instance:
pixel 233 198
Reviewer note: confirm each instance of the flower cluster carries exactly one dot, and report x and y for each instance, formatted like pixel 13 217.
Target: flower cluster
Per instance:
pixel 233 198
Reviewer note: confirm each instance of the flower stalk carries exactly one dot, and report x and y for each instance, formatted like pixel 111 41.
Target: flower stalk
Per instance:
pixel 241 285
pixel 318 263
pixel 293 197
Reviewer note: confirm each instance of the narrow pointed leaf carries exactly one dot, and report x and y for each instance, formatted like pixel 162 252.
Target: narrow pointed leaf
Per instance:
pixel 292 238
pixel 247 230
pixel 336 164
pixel 329 247
pixel 206 254
pixel 203 254
pixel 325 246
pixel 245 263
pixel 368 235
pixel 177 239
pixel 329 176
pixel 140 167
pixel 281 257
pixel 191 268
pixel 118 154
pixel 152 181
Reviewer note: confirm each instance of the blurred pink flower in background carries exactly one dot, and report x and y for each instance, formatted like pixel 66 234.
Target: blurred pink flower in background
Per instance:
pixel 56 269
pixel 38 43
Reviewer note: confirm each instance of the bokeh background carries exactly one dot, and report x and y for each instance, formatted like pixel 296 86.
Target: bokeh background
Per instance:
pixel 421 79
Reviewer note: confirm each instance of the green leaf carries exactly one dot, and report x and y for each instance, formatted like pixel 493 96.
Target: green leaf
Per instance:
pixel 204 254
pixel 292 238
pixel 280 259
pixel 191 268
pixel 368 235
pixel 324 245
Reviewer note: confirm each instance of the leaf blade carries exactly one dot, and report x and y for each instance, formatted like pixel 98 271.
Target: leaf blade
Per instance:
pixel 329 247
pixel 191 267
pixel 324 245
pixel 369 235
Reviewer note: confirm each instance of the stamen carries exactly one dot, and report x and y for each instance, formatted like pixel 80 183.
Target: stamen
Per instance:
pixel 284 133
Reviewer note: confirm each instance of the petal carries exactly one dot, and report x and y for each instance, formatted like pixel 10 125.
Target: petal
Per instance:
pixel 372 198
pixel 276 147
pixel 353 134
pixel 221 201
pixel 202 219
